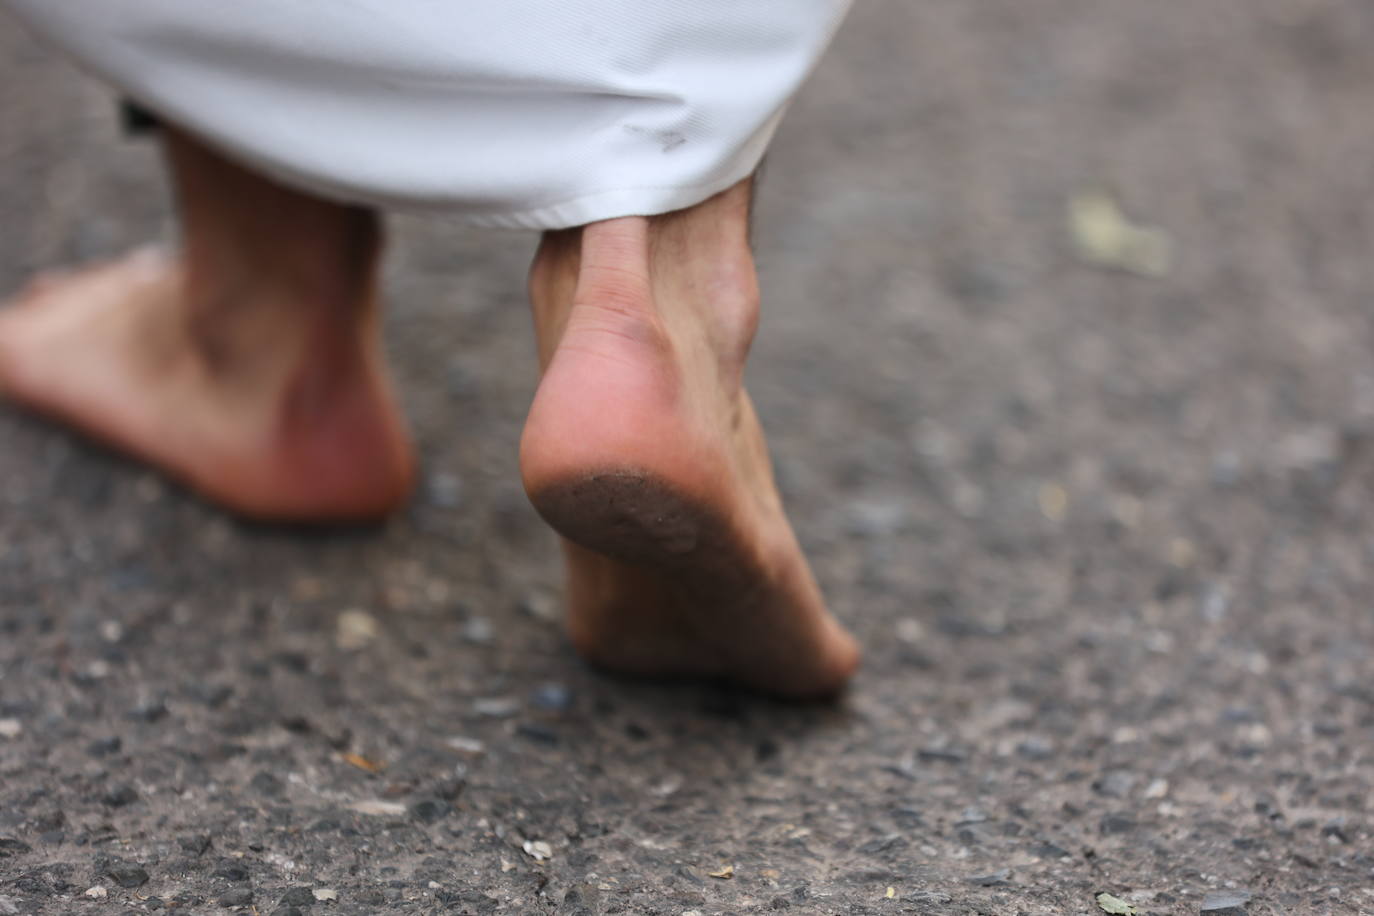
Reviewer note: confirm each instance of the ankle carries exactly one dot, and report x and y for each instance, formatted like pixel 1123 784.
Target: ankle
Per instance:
pixel 682 279
pixel 277 293
pixel 262 329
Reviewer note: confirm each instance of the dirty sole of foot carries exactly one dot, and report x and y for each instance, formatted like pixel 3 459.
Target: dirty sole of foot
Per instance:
pixel 690 587
pixel 637 518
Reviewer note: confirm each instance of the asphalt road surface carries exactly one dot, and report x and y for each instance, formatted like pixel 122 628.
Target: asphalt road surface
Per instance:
pixel 1104 532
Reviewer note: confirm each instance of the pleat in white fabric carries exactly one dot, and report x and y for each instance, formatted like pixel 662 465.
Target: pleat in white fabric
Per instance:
pixel 518 113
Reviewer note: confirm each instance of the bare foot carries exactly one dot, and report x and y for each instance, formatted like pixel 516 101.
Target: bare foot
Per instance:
pixel 290 427
pixel 643 450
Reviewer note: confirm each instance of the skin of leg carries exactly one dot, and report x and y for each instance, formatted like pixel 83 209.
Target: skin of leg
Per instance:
pixel 643 450
pixel 248 364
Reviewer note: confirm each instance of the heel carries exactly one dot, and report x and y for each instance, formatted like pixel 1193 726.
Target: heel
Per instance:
pixel 626 515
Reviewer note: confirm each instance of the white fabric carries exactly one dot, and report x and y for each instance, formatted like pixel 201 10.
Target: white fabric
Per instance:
pixel 521 113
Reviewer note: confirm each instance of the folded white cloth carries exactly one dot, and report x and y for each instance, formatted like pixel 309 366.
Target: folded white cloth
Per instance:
pixel 520 113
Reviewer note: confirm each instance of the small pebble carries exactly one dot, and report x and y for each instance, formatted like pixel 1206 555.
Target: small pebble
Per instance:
pixel 466 745
pixel 1309 449
pixel 9 846
pixel 579 900
pixel 1054 501
pixel 1334 829
pixel 99 892
pixel 325 894
pixel 978 283
pixel 555 697
pixel 910 630
pixel 1049 850
pixel 538 850
pixel 268 783
pixel 1036 747
pixel 972 815
pixel 444 490
pixel 97 670
pixel 876 518
pixel 196 844
pixel 298 896
pixel 355 629
pixel 232 871
pixel 478 631
pixel 1116 783
pixel 1225 903
pixel 119 796
pixel 540 606
pixel 993 879
pixel 429 810
pixel 941 755
pixel 496 707
pixel 1216 600
pixel 378 808
pixel 536 732
pixel 212 695
pixel 10 728
pixel 1114 824
pixel 127 874
pixel 297 724
pixel 51 820
pixel 149 711
pixel 103 747
pixel 669 786
pixel 451 787
pixel 239 896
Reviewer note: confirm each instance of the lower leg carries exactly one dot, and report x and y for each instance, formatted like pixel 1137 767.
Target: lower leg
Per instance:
pixel 643 450
pixel 248 365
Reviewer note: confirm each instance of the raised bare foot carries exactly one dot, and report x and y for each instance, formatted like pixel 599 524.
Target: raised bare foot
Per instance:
pixel 272 419
pixel 643 450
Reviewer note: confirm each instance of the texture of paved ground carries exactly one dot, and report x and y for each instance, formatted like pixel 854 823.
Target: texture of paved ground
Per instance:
pixel 1105 536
